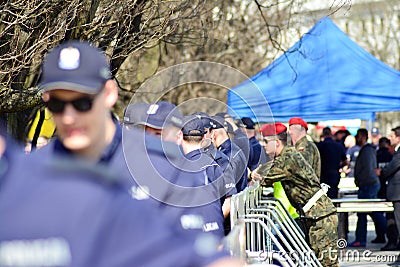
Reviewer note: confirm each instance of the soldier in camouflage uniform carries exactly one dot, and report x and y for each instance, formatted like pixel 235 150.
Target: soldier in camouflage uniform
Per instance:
pixel 300 184
pixel 298 131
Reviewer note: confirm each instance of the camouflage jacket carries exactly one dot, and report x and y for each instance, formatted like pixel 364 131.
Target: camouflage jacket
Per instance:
pixel 298 180
pixel 311 154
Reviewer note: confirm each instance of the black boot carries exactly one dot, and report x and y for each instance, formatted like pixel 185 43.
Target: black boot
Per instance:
pixel 379 240
pixel 390 246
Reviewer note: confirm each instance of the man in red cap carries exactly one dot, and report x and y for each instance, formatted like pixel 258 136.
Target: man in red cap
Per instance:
pixel 298 131
pixel 303 190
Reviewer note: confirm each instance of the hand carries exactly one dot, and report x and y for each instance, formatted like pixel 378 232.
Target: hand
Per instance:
pixel 378 172
pixel 254 175
pixel 346 169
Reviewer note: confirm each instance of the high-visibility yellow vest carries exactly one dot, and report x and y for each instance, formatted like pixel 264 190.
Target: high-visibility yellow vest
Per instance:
pixel 279 193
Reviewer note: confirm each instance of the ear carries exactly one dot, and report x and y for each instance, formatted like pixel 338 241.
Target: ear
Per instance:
pixel 179 138
pixel 110 93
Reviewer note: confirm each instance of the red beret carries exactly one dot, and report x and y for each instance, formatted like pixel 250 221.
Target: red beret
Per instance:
pixel 300 121
pixel 272 129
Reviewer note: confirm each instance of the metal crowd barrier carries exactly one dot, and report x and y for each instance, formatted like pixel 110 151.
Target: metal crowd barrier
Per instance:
pixel 268 234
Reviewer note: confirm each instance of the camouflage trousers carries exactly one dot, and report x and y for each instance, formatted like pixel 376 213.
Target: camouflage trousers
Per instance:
pixel 323 240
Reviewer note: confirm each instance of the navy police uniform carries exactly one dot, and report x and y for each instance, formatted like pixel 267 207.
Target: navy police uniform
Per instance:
pixel 238 159
pixel 60 212
pixel 212 212
pixel 257 154
pixel 236 155
pixel 239 163
pixel 228 172
pixel 220 158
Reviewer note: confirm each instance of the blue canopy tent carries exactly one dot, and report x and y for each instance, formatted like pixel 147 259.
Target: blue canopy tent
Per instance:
pixel 324 76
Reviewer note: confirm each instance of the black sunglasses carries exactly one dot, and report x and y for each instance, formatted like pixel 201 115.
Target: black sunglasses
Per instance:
pixel 268 140
pixel 82 104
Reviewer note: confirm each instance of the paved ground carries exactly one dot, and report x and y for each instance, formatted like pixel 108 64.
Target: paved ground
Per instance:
pixel 369 256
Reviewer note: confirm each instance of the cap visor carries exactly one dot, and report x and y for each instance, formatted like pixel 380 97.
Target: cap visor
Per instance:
pixel 86 89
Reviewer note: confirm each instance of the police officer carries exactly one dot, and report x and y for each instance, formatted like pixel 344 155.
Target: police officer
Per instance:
pixel 162 119
pixel 257 153
pixel 208 148
pixel 79 92
pixel 193 133
pixel 221 140
pixel 236 134
pixel 135 114
pixel 303 190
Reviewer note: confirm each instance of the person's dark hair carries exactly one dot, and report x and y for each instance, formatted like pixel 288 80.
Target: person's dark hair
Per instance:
pixel 193 138
pixel 384 142
pixel 326 132
pixel 362 132
pixel 396 131
pixel 345 133
pixel 283 137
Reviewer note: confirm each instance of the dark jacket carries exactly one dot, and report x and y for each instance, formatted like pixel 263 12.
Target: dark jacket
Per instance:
pixel 257 154
pixel 383 157
pixel 364 171
pixel 332 154
pixel 392 173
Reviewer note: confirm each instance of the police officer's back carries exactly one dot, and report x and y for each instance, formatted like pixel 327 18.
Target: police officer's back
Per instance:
pixel 207 170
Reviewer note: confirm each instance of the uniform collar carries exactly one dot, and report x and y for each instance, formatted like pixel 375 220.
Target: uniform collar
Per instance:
pixel 116 141
pixel 225 145
pixel 253 140
pixel 284 149
pixel 397 147
pixel 193 154
pixel 302 141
